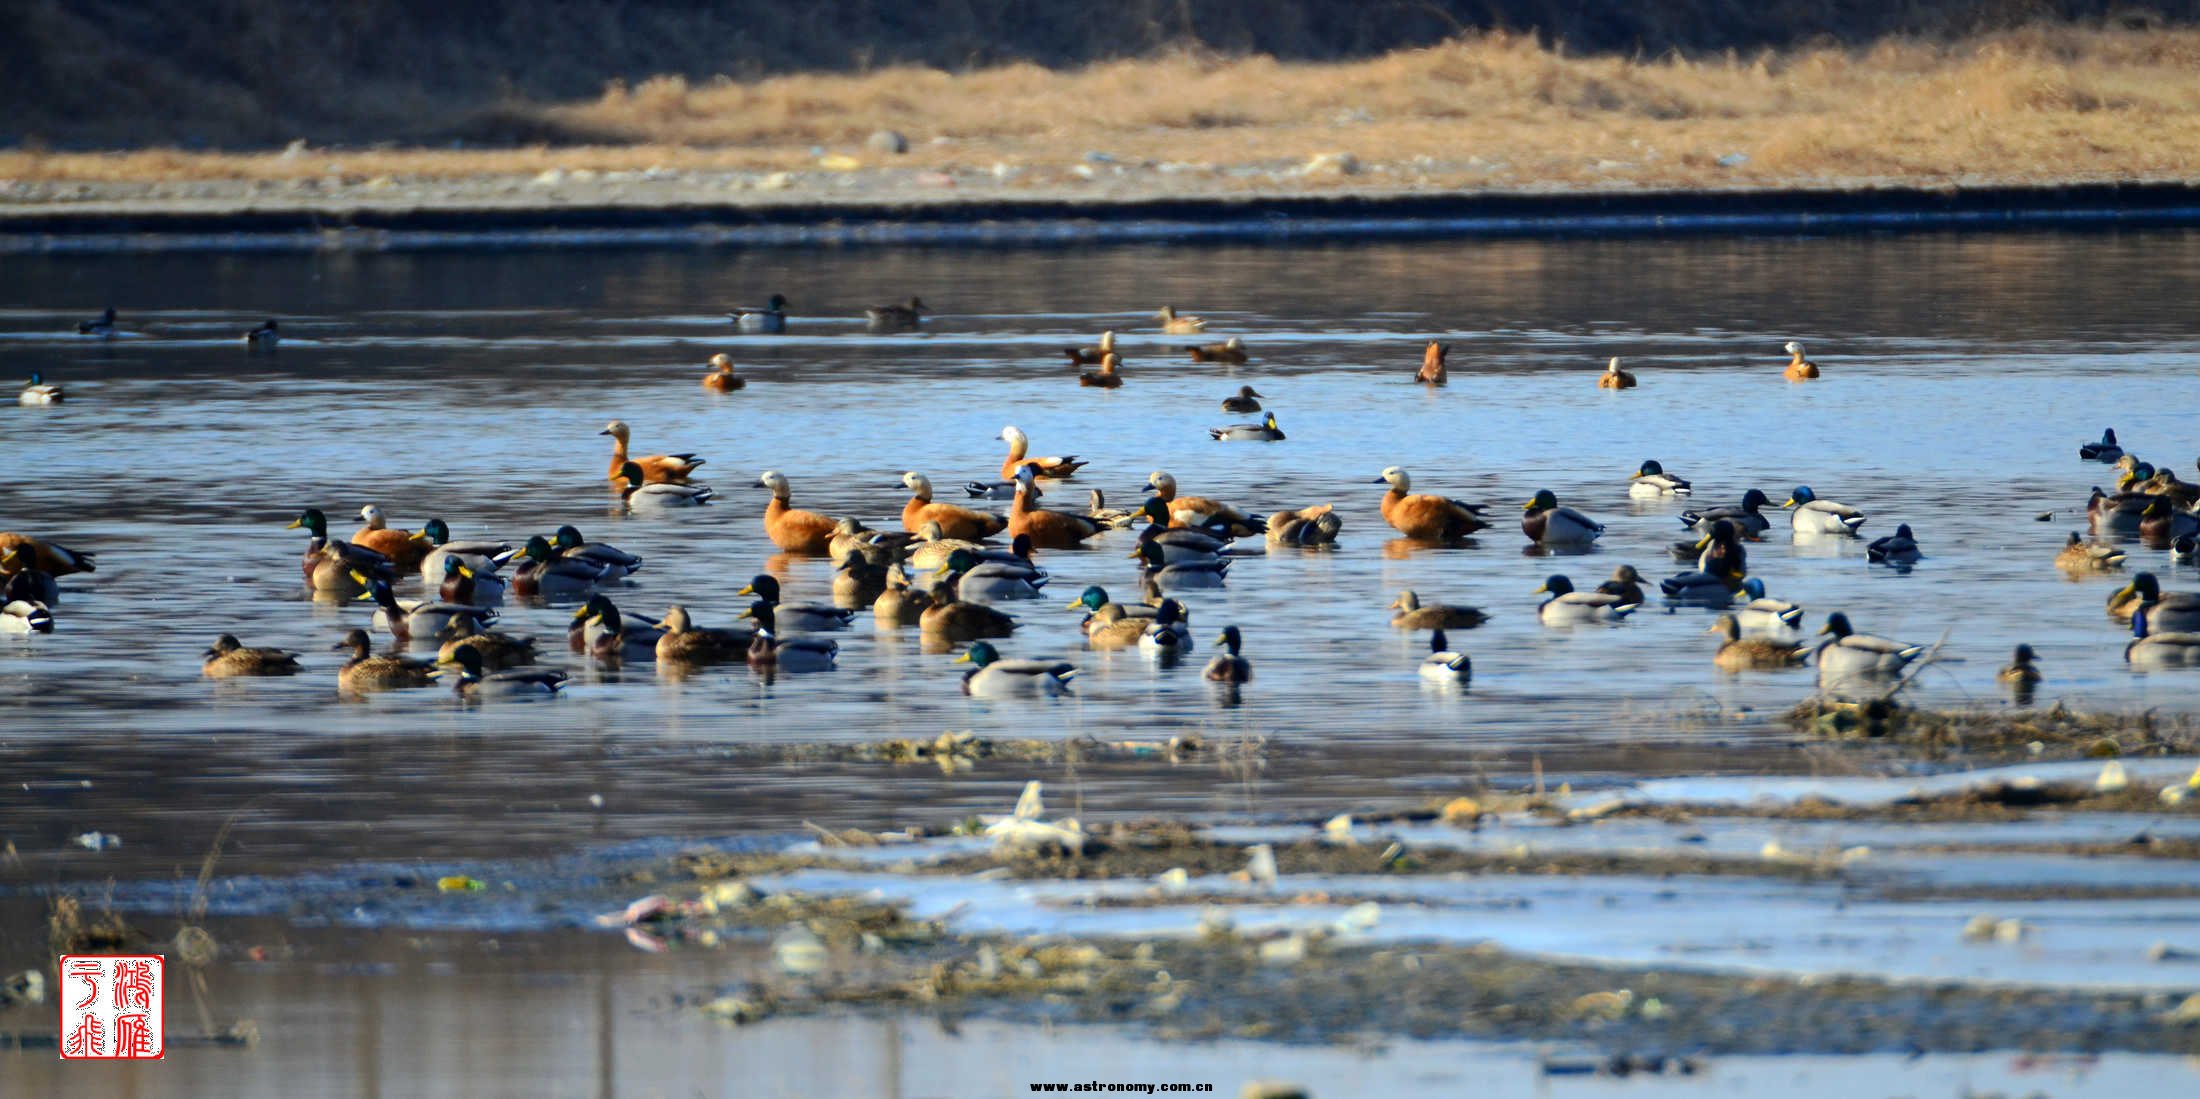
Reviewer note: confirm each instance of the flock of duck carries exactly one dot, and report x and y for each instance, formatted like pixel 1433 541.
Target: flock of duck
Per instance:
pixel 947 574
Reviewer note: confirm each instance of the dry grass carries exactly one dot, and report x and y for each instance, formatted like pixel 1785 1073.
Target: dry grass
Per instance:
pixel 1486 111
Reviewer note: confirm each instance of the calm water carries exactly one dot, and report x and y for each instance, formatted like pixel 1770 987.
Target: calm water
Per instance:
pixel 1961 372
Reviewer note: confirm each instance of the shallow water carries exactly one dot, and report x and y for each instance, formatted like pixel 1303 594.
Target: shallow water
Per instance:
pixel 1962 371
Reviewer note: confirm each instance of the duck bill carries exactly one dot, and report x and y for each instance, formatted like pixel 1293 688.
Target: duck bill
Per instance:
pixel 1540 589
pixel 747 589
pixel 963 659
pixel 294 524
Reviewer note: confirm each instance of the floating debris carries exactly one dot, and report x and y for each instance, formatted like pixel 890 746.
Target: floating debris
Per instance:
pixel 459 883
pixel 1024 829
pixel 97 841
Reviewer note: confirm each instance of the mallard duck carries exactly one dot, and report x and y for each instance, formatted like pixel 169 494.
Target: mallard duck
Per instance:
pixel 1615 378
pixel 1815 516
pixel 228 659
pixel 2079 556
pixel 1308 526
pixel 1722 554
pixel 955 521
pixel 685 643
pixel 1169 633
pixel 857 582
pixel 1180 543
pixel 2161 522
pixel 405 549
pixel 656 468
pixel 2181 494
pixel 1799 369
pixel 1764 616
pixel 1567 606
pixel 1091 356
pixel 486 557
pixel 1113 626
pixel 1094 601
pixel 1019 450
pixel 899 605
pixel 1231 350
pixel 1747 519
pixel 25 616
pixel 617 564
pixel 1739 654
pixel 1153 559
pixel 791 529
pixel 1175 324
pixel 1046 529
pixel 2118 514
pixel 1200 512
pixel 464 585
pixel 263 338
pixel 2106 450
pixel 2022 673
pixel 769 652
pixel 409 618
pixel 1434 371
pixel 1229 666
pixel 1442 664
pixel 1697 588
pixel 1426 517
pixel 102 326
pixel 2169 611
pixel 772 318
pixel 905 317
pixel 602 632
pixel 53 557
pixel 1416 615
pixel 1852 654
pixel 1265 431
pixel 470 681
pixel 1109 376
pixel 1546 523
pixel 1899 548
pixel 39 391
pixel 367 672
pixel 639 494
pixel 997 678
pixel 721 378
pixel 20 580
pixel 333 566
pixel 1652 481
pixel 1097 509
pixel 544 574
pixel 1247 400
pixel 796 617
pixel 1625 583
pixel 990 581
pixel 2152 646
pixel 499 650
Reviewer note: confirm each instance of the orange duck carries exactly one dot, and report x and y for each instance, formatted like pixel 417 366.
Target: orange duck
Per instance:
pixel 1433 369
pixel 965 524
pixel 1019 445
pixel 790 528
pixel 1420 515
pixel 1046 529
pixel 656 468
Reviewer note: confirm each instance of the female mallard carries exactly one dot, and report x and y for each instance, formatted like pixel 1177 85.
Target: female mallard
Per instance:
pixel 1625 583
pixel 990 581
pixel 1856 654
pixel 1799 369
pixel 899 605
pixel 368 672
pixel 1546 523
pixel 906 317
pixel 1416 615
pixel 1046 529
pixel 485 557
pixel 1308 526
pixel 797 617
pixel 1815 516
pixel 1153 559
pixel 24 581
pixel 1764 616
pixel 1741 654
pixel 2022 673
pixel 102 326
pixel 1442 664
pixel 51 557
pixel 1231 350
pixel 1615 378
pixel 639 494
pixel 466 586
pixel 1200 512
pixel 1114 626
pixel 263 338
pixel 2078 556
pixel 656 468
pixel 616 563
pixel 1433 369
pixel 1426 517
pixel 228 658
pixel 2150 646
pixel 1176 324
pixel 542 574
pixel 404 548
pixel 1091 356
pixel 1109 376
pixel 409 618
pixel 1566 606
pixel 997 678
pixel 1247 400
pixel 2106 450
pixel 955 521
pixel 25 616
pixel 499 650
pixel 1229 665
pixel 1899 548
pixel 791 529
pixel 721 378
pixel 1170 632
pixel 683 642
pixel 1652 481
pixel 770 319
pixel 1749 521
pixel 770 652
pixel 470 681
pixel 1265 431
pixel 39 391
pixel 2169 611
pixel 333 567
pixel 1098 510
pixel 1019 450
pixel 603 633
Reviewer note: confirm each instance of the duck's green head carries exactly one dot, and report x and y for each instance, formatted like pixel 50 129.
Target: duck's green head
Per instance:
pixel 1437 642
pixel 763 614
pixel 764 586
pixel 467 660
pixel 569 536
pixel 1555 586
pixel 1837 624
pixel 1021 546
pixel 37 378
pixel 778 302
pixel 1802 495
pixel 538 549
pixel 436 531
pixel 2024 655
pixel 1230 639
pixel 958 562
pixel 312 520
pixel 1170 612
pixel 1649 468
pixel 595 606
pixel 378 589
pixel 454 568
pixel 1150 553
pixel 1091 599
pixel 1544 500
pixel 1156 511
pixel 631 474
pixel 981 653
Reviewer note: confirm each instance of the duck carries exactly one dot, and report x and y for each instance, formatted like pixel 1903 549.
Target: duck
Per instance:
pixel 2149 646
pixel 102 326
pixel 1115 626
pixel 333 566
pixel 797 617
pixel 1201 512
pixel 1047 529
pixel 2118 514
pixel 1097 509
pixel 1181 543
pixel 792 529
pixel 992 580
pixel 228 658
pixel 1625 583
pixel 683 642
pixel 1815 516
pixel 1615 378
pixel 1567 606
pixel 994 677
pixel 2080 556
pixel 1153 560
pixel 367 672
pixel 1741 654
pixel 1091 356
pixel 1109 376
pixel 25 581
pixel 877 546
pixel 1231 350
pixel 485 557
pixel 1229 665
pixel 1747 519
pixel 2106 450
pixel 906 317
pixel 1764 616
pixel 1426 517
pixel 1169 633
pixel 1176 324
pixel 470 681
pixel 2022 672
pixel 2180 493
pixel 499 650
pixel 544 574
pixel 2169 611
pixel 1651 481
pixel 1433 370
pixel 1416 615
pixel 1799 369
pixel 1265 431
pixel 50 556
pixel 1247 400
pixel 1696 588
pixel 1899 548
pixel 263 338
pixel 1546 523
pixel 1442 664
pixel 463 585
pixel 25 616
pixel 721 378
pixel 617 564
pixel 656 468
pixel 954 520
pixel 857 582
pixel 408 618
pixel 2184 549
pixel 405 549
pixel 602 632
pixel 771 319
pixel 2161 522
pixel 1722 554
pixel 1052 467
pixel 770 652
pixel 640 494
pixel 899 605
pixel 1094 601
pixel 39 391
pixel 1855 654
pixel 1313 526
pixel 933 547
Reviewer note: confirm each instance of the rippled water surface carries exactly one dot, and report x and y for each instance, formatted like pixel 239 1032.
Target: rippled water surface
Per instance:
pixel 1961 372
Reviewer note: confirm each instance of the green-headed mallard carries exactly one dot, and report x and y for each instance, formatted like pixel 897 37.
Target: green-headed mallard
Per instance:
pixel 367 672
pixel 333 566
pixel 265 337
pixel 409 618
pixel 2120 513
pixel 2160 523
pixel 1651 481
pixel 1738 653
pixel 2106 450
pixel 600 630
pixel 617 564
pixel 768 651
pixel 1094 600
pixel 229 658
pixel 1899 548
pixel 479 556
pixel 1546 523
pixel 1423 516
pixel 471 681
pixel 1764 616
pixel 2162 648
pixel 1153 559
pixel 1697 588
pixel 1416 615
pixel 25 616
pixel 1747 520
pixel 1852 654
pixel 640 495
pixel 797 617
pixel 768 319
pixel 39 391
pixel 1265 431
pixel 464 585
pixel 1815 516
pixel 994 677
pixel 987 580
pixel 1442 665
pixel 1229 665
pixel 1566 606
pixel 2168 611
pixel 542 574
pixel 20 579
pixel 1170 632
pixel 655 468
